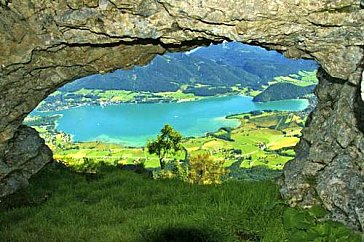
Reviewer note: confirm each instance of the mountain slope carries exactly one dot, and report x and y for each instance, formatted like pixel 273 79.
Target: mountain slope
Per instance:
pixel 168 73
pixel 227 64
pixel 282 91
pixel 255 60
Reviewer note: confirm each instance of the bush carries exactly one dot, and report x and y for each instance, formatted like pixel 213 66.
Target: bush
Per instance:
pixel 174 170
pixel 203 169
pixel 164 174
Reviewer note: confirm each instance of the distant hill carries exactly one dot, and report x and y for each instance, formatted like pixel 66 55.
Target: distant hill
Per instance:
pixel 282 91
pixel 255 60
pixel 168 73
pixel 223 65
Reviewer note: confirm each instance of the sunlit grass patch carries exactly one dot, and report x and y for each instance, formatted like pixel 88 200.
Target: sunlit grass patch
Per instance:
pixel 283 142
pixel 303 78
pixel 215 144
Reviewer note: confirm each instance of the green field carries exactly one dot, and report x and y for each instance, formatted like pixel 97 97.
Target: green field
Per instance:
pixel 116 96
pixel 303 78
pixel 65 100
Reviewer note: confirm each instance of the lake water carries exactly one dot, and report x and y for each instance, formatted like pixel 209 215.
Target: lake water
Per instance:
pixel 134 124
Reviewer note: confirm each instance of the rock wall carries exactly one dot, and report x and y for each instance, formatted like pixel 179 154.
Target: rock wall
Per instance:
pixel 329 166
pixel 45 44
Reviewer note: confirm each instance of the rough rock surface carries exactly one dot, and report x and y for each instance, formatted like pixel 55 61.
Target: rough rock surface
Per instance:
pixel 329 166
pixel 27 155
pixel 45 44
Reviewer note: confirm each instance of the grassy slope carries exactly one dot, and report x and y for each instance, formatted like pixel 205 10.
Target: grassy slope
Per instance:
pixel 123 206
pixel 303 79
pixel 116 205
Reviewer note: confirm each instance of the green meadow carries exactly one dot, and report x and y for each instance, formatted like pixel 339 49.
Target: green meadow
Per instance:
pixel 302 78
pixel 117 205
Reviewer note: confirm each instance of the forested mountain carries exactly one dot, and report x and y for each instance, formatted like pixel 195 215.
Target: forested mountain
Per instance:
pixel 254 60
pixel 282 91
pixel 221 65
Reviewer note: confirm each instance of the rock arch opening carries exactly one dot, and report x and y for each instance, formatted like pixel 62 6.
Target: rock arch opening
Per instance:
pixel 45 45
pixel 192 91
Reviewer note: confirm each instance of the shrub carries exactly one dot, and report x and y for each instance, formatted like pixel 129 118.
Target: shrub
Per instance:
pixel 203 169
pixel 163 174
pixel 174 169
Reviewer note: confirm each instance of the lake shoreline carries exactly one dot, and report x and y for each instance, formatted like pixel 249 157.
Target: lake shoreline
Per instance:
pixel 64 106
pixel 98 119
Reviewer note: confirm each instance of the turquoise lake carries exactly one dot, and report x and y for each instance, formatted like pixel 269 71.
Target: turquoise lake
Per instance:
pixel 134 124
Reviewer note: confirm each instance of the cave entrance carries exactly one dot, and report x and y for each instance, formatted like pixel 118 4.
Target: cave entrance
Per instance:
pixel 46 44
pixel 239 103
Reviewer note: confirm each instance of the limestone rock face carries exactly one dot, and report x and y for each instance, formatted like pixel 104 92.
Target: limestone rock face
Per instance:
pixel 329 166
pixel 45 44
pixel 26 156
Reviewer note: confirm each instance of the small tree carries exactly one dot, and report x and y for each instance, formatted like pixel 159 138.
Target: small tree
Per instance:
pixel 167 142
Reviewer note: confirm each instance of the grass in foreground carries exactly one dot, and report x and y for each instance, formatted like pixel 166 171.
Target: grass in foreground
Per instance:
pixel 123 206
pixel 117 205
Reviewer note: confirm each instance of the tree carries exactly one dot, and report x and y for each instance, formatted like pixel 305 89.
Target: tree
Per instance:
pixel 167 142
